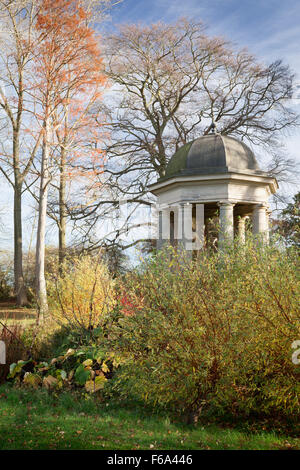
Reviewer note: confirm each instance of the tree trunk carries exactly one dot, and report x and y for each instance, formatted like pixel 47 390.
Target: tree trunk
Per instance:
pixel 62 210
pixel 19 285
pixel 40 280
pixel 20 290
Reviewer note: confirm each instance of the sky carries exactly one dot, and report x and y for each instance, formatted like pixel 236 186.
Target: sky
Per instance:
pixel 270 29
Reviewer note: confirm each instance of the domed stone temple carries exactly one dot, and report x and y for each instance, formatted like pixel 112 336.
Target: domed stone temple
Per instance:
pixel 212 177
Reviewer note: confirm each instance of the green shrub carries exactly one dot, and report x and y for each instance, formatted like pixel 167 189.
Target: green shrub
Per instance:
pixel 60 339
pixel 212 333
pixel 87 368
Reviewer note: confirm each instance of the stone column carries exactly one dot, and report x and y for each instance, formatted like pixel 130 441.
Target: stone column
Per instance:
pixel 241 222
pixel 226 221
pixel 177 223
pixel 260 222
pixel 200 226
pixel 166 224
pixel 159 242
pixel 268 213
pixel 163 227
pixel 187 229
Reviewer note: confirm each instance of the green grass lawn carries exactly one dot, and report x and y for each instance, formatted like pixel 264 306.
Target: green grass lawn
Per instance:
pixel 35 419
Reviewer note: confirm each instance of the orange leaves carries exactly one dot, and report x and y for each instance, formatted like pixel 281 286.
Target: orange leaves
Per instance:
pixel 66 48
pixel 68 80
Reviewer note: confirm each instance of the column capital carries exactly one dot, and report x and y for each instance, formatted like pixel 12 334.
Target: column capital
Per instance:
pixel 226 203
pixel 261 206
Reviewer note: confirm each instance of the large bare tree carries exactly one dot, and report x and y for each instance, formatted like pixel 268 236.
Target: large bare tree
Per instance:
pixel 169 82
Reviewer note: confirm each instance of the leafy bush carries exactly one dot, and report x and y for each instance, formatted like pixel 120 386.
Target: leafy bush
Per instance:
pixel 215 332
pixel 86 368
pixel 60 339
pixel 82 295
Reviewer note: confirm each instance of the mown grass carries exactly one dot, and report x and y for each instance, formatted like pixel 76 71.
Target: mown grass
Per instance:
pixel 35 419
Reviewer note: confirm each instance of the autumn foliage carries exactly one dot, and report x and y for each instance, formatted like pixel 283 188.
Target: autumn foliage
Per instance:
pixel 68 76
pixel 82 295
pixel 68 51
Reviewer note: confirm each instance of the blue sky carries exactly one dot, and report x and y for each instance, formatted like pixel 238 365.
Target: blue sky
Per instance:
pixel 270 29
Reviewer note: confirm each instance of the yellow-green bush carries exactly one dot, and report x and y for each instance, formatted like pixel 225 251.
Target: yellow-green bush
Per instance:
pixel 216 332
pixel 82 294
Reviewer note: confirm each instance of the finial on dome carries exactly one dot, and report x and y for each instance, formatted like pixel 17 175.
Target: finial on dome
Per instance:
pixel 213 127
